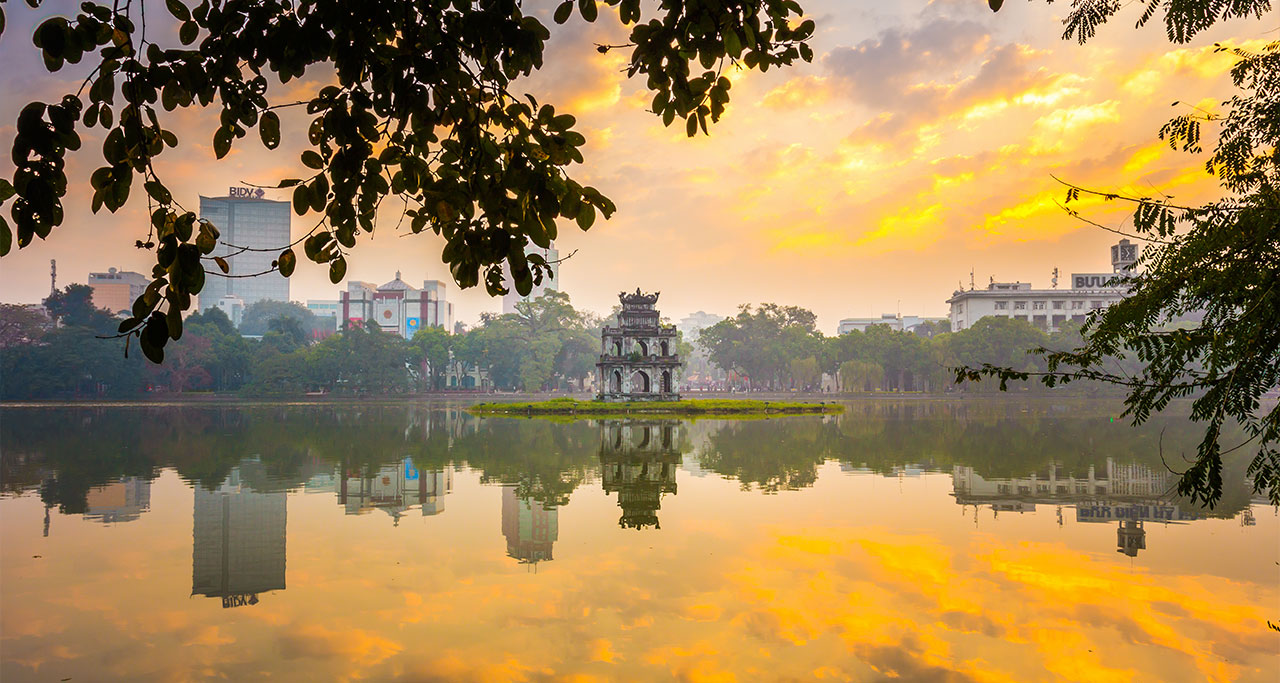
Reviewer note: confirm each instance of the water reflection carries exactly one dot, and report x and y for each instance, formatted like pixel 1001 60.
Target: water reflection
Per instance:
pixel 530 527
pixel 947 541
pixel 638 461
pixel 238 539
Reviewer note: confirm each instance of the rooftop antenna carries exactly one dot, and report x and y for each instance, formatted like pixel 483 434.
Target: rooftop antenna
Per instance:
pixel 1055 277
pixel 971 287
pixel 53 277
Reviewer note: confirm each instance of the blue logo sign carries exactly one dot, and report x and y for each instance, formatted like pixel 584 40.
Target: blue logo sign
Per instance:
pixel 411 324
pixel 410 472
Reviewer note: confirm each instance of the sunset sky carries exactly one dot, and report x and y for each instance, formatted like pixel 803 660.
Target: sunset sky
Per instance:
pixel 918 145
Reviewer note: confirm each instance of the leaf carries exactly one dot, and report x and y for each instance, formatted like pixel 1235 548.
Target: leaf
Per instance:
pixel 312 160
pixel 178 10
pixel 588 9
pixel 337 270
pixel 222 142
pixel 6 237
pixel 691 125
pixel 222 264
pixel 187 32
pixel 995 5
pixel 563 12
pixel 269 129
pixel 301 199
pixel 287 261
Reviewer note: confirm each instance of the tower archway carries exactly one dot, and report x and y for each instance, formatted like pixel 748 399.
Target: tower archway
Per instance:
pixel 640 382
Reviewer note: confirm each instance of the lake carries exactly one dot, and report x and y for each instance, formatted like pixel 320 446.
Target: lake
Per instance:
pixel 985 540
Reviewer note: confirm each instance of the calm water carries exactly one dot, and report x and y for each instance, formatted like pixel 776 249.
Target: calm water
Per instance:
pixel 934 541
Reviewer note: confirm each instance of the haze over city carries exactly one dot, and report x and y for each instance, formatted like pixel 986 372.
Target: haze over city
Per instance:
pixel 919 145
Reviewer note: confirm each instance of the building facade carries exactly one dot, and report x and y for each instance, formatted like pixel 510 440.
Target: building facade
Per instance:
pixel 115 290
pixel 899 323
pixel 238 540
pixel 512 297
pixel 638 359
pixel 1047 309
pixel 397 306
pixel 247 221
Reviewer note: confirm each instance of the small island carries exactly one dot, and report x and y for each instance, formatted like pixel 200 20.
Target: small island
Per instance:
pixel 686 407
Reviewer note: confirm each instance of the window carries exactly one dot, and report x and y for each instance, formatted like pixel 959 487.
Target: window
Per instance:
pixel 1019 305
pixel 1095 304
pixel 1057 305
pixel 959 308
pixel 1037 305
pixel 1002 305
pixel 1077 305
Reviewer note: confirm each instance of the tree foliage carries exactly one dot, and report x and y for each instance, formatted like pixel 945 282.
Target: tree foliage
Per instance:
pixel 1218 264
pixel 424 106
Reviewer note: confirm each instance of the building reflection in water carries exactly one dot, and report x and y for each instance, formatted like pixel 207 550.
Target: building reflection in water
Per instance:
pixel 529 527
pixel 638 461
pixel 119 501
pixel 239 540
pixel 394 489
pixel 1128 494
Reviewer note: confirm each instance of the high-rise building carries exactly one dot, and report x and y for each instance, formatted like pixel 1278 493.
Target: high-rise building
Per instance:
pixel 239 541
pixel 529 527
pixel 512 297
pixel 115 290
pixel 247 221
pixel 397 306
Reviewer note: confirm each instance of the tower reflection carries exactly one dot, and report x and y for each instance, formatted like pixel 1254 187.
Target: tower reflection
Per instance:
pixel 638 461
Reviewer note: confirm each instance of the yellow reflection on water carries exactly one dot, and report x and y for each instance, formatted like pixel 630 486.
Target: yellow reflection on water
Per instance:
pixel 401 574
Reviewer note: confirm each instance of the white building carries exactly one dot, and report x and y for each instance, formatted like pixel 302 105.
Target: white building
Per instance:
pixel 246 220
pixel 232 306
pixel 1047 309
pixel 397 306
pixel 512 297
pixel 898 323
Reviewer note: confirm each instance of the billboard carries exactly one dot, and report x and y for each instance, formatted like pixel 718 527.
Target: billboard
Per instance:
pixel 1096 281
pixel 412 325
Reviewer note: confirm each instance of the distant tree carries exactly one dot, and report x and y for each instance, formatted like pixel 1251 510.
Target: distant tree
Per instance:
pixel 760 343
pixel 433 346
pixel 20 325
pixel 257 316
pixel 213 316
pixel 73 306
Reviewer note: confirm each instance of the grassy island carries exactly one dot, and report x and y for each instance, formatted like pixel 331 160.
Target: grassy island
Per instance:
pixel 694 407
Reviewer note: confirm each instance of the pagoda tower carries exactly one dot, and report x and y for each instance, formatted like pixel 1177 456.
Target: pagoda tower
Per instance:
pixel 637 358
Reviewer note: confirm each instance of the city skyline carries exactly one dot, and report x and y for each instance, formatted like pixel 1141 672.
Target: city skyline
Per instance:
pixel 802 194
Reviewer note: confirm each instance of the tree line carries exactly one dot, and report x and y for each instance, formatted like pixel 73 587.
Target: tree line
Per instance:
pixel 779 348
pixel 61 353
pixel 546 345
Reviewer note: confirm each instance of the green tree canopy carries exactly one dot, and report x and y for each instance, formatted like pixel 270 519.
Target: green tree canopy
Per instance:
pixel 425 106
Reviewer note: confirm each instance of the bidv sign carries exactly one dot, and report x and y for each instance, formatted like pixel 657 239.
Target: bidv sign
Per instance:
pixel 245 192
pixel 1096 281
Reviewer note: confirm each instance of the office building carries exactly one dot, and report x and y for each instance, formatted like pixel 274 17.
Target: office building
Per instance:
pixel 116 290
pixel 246 220
pixel 512 297
pixel 397 306
pixel 1047 309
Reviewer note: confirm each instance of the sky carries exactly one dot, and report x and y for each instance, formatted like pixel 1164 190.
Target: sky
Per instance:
pixel 921 145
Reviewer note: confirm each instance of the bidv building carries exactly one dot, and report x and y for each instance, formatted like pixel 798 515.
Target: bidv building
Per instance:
pixel 1047 309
